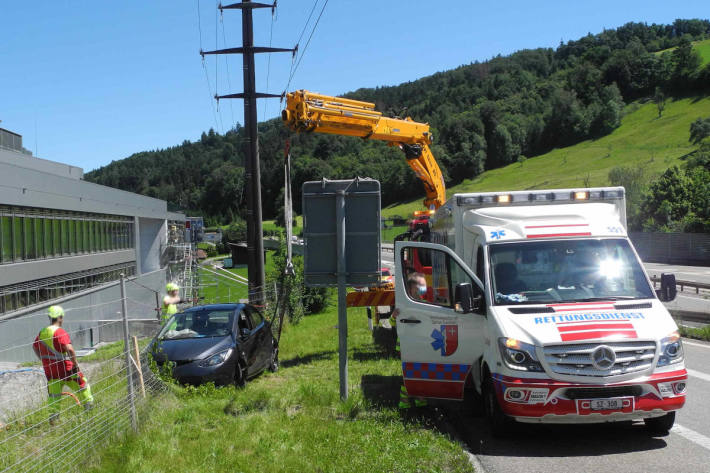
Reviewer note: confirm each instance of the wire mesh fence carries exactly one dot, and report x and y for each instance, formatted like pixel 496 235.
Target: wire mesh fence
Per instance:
pixel 38 436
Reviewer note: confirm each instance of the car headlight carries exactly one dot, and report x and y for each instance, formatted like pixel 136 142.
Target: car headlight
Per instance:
pixel 519 355
pixel 671 349
pixel 217 359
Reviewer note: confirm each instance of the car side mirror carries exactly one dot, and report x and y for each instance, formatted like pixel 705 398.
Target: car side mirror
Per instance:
pixel 465 301
pixel 244 333
pixel 668 290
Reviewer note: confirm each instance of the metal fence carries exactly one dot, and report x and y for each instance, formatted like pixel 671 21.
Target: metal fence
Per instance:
pixel 673 248
pixel 121 383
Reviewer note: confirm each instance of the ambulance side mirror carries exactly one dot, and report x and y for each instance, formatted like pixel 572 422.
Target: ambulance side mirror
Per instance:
pixel 464 300
pixel 668 290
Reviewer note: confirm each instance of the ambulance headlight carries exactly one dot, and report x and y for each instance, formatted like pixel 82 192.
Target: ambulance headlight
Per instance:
pixel 671 349
pixel 519 355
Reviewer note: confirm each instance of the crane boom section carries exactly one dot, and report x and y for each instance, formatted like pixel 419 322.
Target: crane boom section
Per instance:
pixel 309 112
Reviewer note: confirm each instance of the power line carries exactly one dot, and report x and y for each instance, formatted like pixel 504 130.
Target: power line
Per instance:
pixel 226 64
pixel 204 67
pixel 300 57
pixel 268 66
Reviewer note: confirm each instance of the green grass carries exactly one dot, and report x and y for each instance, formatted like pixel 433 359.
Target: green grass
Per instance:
pixel 388 234
pixel 292 420
pixel 226 290
pixel 642 139
pixel 702 47
pixel 701 333
pixel 271 225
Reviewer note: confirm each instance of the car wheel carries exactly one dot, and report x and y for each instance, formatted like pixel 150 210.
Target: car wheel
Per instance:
pixel 500 423
pixel 660 425
pixel 240 376
pixel 274 359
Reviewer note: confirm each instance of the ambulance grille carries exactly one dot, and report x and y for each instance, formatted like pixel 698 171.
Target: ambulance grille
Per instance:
pixel 576 359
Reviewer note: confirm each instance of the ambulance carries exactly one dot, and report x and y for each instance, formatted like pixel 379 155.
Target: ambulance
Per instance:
pixel 536 302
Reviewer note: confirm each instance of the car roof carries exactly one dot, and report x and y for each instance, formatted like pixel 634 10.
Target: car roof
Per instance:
pixel 215 307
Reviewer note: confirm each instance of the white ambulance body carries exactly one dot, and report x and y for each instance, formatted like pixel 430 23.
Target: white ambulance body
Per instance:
pixel 538 300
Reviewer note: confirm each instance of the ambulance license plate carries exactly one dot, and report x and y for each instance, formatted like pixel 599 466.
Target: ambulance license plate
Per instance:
pixel 606 404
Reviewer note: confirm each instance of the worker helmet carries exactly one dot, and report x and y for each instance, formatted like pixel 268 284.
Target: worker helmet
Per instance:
pixel 171 286
pixel 55 312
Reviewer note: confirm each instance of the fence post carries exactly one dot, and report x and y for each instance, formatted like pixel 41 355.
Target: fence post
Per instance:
pixel 127 352
pixel 139 367
pixel 158 309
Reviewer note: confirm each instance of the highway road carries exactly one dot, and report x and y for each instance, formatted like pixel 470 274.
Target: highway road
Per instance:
pixel 618 448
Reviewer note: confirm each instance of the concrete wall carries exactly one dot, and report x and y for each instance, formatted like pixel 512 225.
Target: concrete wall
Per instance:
pixel 31 270
pixel 89 316
pixel 153 236
pixel 27 161
pixel 27 186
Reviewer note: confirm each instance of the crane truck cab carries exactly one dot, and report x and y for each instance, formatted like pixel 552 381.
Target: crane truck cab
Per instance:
pixel 538 301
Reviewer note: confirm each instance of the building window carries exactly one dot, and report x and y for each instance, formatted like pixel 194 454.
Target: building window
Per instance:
pixel 19 296
pixel 28 234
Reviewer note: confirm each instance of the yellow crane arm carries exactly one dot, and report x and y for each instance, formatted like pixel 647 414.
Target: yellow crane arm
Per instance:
pixel 310 112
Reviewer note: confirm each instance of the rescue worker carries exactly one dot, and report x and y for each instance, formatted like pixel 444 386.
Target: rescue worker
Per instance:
pixel 416 289
pixel 170 301
pixel 53 346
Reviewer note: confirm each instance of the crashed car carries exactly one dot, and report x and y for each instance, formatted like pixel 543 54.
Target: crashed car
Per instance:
pixel 220 343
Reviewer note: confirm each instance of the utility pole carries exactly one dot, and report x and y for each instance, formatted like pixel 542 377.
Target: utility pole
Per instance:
pixel 255 241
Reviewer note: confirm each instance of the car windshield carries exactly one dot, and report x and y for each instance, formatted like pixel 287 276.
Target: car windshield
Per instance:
pixel 198 324
pixel 566 271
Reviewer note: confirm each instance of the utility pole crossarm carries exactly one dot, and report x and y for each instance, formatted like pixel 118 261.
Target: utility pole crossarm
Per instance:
pixel 253 49
pixel 258 95
pixel 242 5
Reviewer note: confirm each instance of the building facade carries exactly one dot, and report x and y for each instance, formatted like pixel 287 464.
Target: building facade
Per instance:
pixel 65 240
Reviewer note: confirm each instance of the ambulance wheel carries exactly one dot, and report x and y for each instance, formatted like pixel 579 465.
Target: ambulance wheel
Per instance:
pixel 660 425
pixel 500 423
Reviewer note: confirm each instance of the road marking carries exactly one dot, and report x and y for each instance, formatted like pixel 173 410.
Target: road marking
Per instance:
pixel 698 374
pixel 702 345
pixel 692 435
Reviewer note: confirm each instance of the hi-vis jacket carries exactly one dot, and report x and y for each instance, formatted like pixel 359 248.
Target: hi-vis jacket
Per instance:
pixel 51 344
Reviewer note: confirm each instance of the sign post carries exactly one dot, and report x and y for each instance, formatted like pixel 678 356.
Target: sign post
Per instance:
pixel 341 231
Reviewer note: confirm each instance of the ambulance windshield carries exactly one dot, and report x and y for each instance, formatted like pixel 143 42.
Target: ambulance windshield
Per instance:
pixel 539 272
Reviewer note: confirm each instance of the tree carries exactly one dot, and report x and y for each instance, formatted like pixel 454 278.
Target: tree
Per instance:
pixel 699 130
pixel 660 99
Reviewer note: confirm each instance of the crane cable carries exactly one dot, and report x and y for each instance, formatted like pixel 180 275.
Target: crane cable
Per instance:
pixel 285 293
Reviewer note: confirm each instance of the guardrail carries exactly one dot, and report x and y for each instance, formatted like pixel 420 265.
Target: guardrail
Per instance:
pixel 387 247
pixel 679 282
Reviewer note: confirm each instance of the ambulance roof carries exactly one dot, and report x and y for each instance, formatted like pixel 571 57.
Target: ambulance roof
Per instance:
pixel 526 222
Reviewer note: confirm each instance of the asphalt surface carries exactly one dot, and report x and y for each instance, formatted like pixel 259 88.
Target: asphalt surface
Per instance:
pixel 616 448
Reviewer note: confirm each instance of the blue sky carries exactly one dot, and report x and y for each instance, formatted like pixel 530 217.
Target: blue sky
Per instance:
pixel 89 82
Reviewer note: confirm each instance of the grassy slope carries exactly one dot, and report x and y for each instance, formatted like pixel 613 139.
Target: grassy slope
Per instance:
pixel 643 139
pixel 292 420
pixel 702 47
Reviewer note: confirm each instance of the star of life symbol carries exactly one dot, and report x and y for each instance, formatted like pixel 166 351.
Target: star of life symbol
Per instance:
pixel 446 339
pixel 497 234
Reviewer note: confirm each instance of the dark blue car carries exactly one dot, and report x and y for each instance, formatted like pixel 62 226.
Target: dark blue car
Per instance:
pixel 222 343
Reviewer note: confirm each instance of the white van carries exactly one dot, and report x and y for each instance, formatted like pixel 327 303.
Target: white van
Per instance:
pixel 538 300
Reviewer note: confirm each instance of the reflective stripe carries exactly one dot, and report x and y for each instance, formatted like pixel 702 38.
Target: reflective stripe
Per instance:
pixel 46 336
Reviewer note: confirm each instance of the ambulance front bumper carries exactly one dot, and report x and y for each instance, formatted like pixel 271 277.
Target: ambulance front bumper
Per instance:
pixel 549 401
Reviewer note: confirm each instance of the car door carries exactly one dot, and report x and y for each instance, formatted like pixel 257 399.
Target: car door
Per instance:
pixel 246 339
pixel 262 340
pixel 438 345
